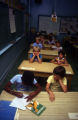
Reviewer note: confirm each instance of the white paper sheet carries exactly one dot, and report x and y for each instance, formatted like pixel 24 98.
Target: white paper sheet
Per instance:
pixel 73 116
pixel 20 102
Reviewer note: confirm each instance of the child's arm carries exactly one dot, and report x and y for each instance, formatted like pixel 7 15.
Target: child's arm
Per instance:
pixel 33 94
pixel 65 63
pixel 64 87
pixel 54 61
pixel 32 59
pixel 51 95
pixel 8 89
pixel 39 59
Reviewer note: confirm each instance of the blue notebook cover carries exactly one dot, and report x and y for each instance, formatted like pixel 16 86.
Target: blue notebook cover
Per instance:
pixel 7 112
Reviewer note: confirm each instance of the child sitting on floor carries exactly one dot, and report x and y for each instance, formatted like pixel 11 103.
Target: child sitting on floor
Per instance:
pixel 35 56
pixel 61 59
pixel 57 80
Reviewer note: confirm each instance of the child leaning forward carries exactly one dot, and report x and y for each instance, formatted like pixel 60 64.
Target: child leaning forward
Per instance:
pixel 35 56
pixel 58 79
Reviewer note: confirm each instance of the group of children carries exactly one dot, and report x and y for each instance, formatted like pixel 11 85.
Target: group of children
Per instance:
pixel 39 44
pixel 27 80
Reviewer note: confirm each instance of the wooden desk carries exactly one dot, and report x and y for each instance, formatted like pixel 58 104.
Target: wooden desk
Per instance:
pixel 46 54
pixel 76 46
pixel 47 47
pixel 45 69
pixel 72 42
pixel 58 110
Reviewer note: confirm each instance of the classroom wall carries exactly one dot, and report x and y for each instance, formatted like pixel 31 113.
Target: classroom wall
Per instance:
pixel 24 1
pixel 8 59
pixel 62 7
pixel 4 25
pixel 6 36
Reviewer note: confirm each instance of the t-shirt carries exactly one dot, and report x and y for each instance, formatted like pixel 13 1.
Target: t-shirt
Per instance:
pixel 18 82
pixel 51 42
pixel 62 60
pixel 54 82
pixel 37 45
pixel 35 59
pixel 57 48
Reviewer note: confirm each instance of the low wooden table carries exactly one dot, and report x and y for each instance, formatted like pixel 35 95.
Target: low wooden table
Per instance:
pixel 47 47
pixel 46 54
pixel 45 69
pixel 76 46
pixel 57 110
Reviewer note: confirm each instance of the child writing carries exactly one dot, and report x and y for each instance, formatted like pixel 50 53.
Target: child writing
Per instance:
pixel 57 79
pixel 25 80
pixel 35 56
pixel 61 59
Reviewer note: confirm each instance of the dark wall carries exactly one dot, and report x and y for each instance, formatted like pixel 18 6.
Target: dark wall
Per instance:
pixel 5 34
pixel 4 24
pixel 8 59
pixel 62 8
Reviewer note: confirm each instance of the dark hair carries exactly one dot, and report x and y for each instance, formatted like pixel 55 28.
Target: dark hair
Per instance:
pixel 61 51
pixel 50 38
pixel 60 70
pixel 57 41
pixel 28 78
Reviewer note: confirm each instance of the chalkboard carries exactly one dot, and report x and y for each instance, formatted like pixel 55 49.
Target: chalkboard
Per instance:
pixel 46 24
pixel 11 24
pixel 4 25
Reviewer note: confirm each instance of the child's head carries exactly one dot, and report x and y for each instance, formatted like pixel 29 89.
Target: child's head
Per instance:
pixel 61 53
pixel 57 44
pixel 37 40
pixel 38 33
pixel 51 34
pixel 59 72
pixel 27 78
pixel 36 49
